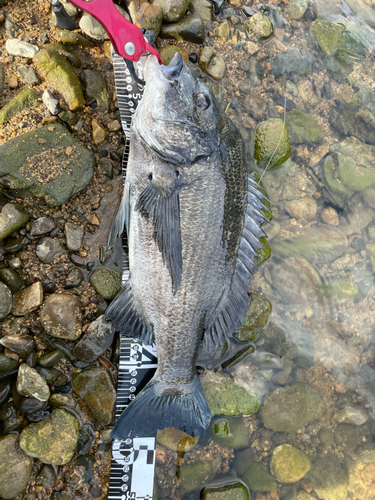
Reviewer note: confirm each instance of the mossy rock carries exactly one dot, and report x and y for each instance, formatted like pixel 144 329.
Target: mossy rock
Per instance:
pixel 53 441
pixel 289 464
pixel 15 468
pixel 224 397
pixel 327 35
pixel 256 319
pixel 65 51
pixel 176 440
pixel 12 217
pixel 354 44
pixel 24 100
pixel 59 74
pixel 329 478
pixel 258 479
pixel 302 127
pixel 167 54
pixel 271 146
pixel 228 491
pixel 195 475
pixel 231 432
pixel 340 290
pixel 287 409
pixel 333 182
pixel 355 177
pixel 258 27
pixel 263 253
pixel 74 38
pixel 106 282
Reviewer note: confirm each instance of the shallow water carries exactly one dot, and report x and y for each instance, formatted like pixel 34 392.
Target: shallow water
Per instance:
pixel 313 365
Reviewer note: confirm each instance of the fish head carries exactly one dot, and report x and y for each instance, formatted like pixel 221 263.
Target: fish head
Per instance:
pixel 178 116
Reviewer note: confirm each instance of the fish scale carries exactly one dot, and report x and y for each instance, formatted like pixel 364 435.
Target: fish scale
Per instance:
pixel 133 460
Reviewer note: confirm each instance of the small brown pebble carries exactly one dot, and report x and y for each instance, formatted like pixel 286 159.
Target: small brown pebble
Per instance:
pixel 13 82
pixel 77 260
pixel 329 216
pixel 90 229
pixel 98 132
pixel 235 3
pixel 69 151
pixel 161 456
pixel 114 126
pixel 94 219
pixel 42 141
pixel 340 388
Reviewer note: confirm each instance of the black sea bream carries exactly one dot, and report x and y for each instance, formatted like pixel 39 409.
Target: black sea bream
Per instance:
pixel 193 218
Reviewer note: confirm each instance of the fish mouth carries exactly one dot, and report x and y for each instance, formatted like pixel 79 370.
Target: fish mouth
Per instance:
pixel 171 72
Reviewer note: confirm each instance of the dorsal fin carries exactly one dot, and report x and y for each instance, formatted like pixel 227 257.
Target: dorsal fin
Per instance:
pixel 232 308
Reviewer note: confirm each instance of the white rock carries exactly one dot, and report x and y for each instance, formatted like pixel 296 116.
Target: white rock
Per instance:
pixel 16 47
pixel 51 102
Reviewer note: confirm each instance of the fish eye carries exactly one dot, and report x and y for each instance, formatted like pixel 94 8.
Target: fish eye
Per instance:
pixel 202 101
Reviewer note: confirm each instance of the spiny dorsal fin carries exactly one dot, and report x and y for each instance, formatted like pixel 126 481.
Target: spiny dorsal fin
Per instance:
pixel 164 212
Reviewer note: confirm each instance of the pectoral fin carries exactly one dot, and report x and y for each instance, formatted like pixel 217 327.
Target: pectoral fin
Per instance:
pixel 164 212
pixel 121 219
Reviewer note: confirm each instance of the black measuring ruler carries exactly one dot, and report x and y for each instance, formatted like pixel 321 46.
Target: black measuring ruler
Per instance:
pixel 133 460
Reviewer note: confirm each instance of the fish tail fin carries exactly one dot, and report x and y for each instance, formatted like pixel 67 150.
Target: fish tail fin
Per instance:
pixel 158 406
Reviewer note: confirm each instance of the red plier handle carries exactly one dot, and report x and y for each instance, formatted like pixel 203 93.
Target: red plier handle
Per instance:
pixel 127 39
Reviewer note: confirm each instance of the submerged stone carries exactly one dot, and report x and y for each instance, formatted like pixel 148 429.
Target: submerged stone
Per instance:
pixel 258 479
pixel 96 388
pixel 30 383
pixel 228 491
pixel 176 440
pixel 38 162
pixel 190 29
pixel 256 319
pixel 271 146
pixel 258 27
pixel 195 475
pixel 329 478
pixel 15 467
pixel 53 440
pixel 231 432
pixel 302 127
pixel 287 409
pixel 327 35
pixel 353 120
pixel 289 464
pixel 294 62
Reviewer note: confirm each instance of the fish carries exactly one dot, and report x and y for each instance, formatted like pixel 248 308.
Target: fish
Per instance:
pixel 193 218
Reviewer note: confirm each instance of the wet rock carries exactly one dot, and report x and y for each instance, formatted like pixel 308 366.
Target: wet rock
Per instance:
pixel 231 490
pixel 329 216
pixel 15 467
pixel 20 344
pixel 52 376
pixel 231 432
pixel 294 62
pixel 96 339
pixel 14 245
pixel 92 27
pixel 98 132
pixel 53 440
pixel 363 11
pixel 215 65
pixel 305 208
pixel 28 299
pixel 74 236
pixel 329 478
pixel 287 409
pixel 327 35
pixel 173 10
pixel 2 77
pixel 74 278
pixel 12 279
pixel 29 405
pixel 96 388
pixel 51 103
pixel 224 397
pixel 353 120
pixel 27 74
pixel 296 9
pixel 50 359
pixel 96 88
pixel 30 383
pixel 60 400
pixel 195 475
pixel 302 127
pixel 7 365
pixel 176 440
pixel 42 225
pixel 258 479
pixel 167 54
pixel 47 477
pixel 24 100
pixel 355 415
pixel 202 9
pixel 74 38
pixel 146 16
pixel 16 47
pixel 190 29
pixel 316 244
pixel 66 52
pixel 86 439
pixel 6 301
pixel 48 249
pixel 242 460
pixel 340 290
pixel 106 282
pixel 56 175
pixel 61 317
pixel 59 74
pixel 258 27
pixel 296 281
pixel 271 146
pixel 256 319
pixel 289 464
pixel 222 31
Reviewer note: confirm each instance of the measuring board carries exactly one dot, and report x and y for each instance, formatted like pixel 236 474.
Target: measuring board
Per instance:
pixel 133 460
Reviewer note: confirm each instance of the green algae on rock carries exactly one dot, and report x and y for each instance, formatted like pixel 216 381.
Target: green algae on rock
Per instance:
pixel 231 432
pixel 24 100
pixel 222 31
pixel 329 477
pixel 68 53
pixel 106 282
pixel 37 162
pixel 224 397
pixel 15 467
pixel 73 38
pixel 176 440
pixel 167 54
pixel 287 409
pixel 258 27
pixel 328 35
pixel 258 479
pixel 340 290
pixel 263 253
pixel 233 490
pixel 53 440
pixel 97 390
pixel 59 74
pixel 271 143
pixel 256 319
pixel 302 127
pixel 289 464
pixel 195 475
